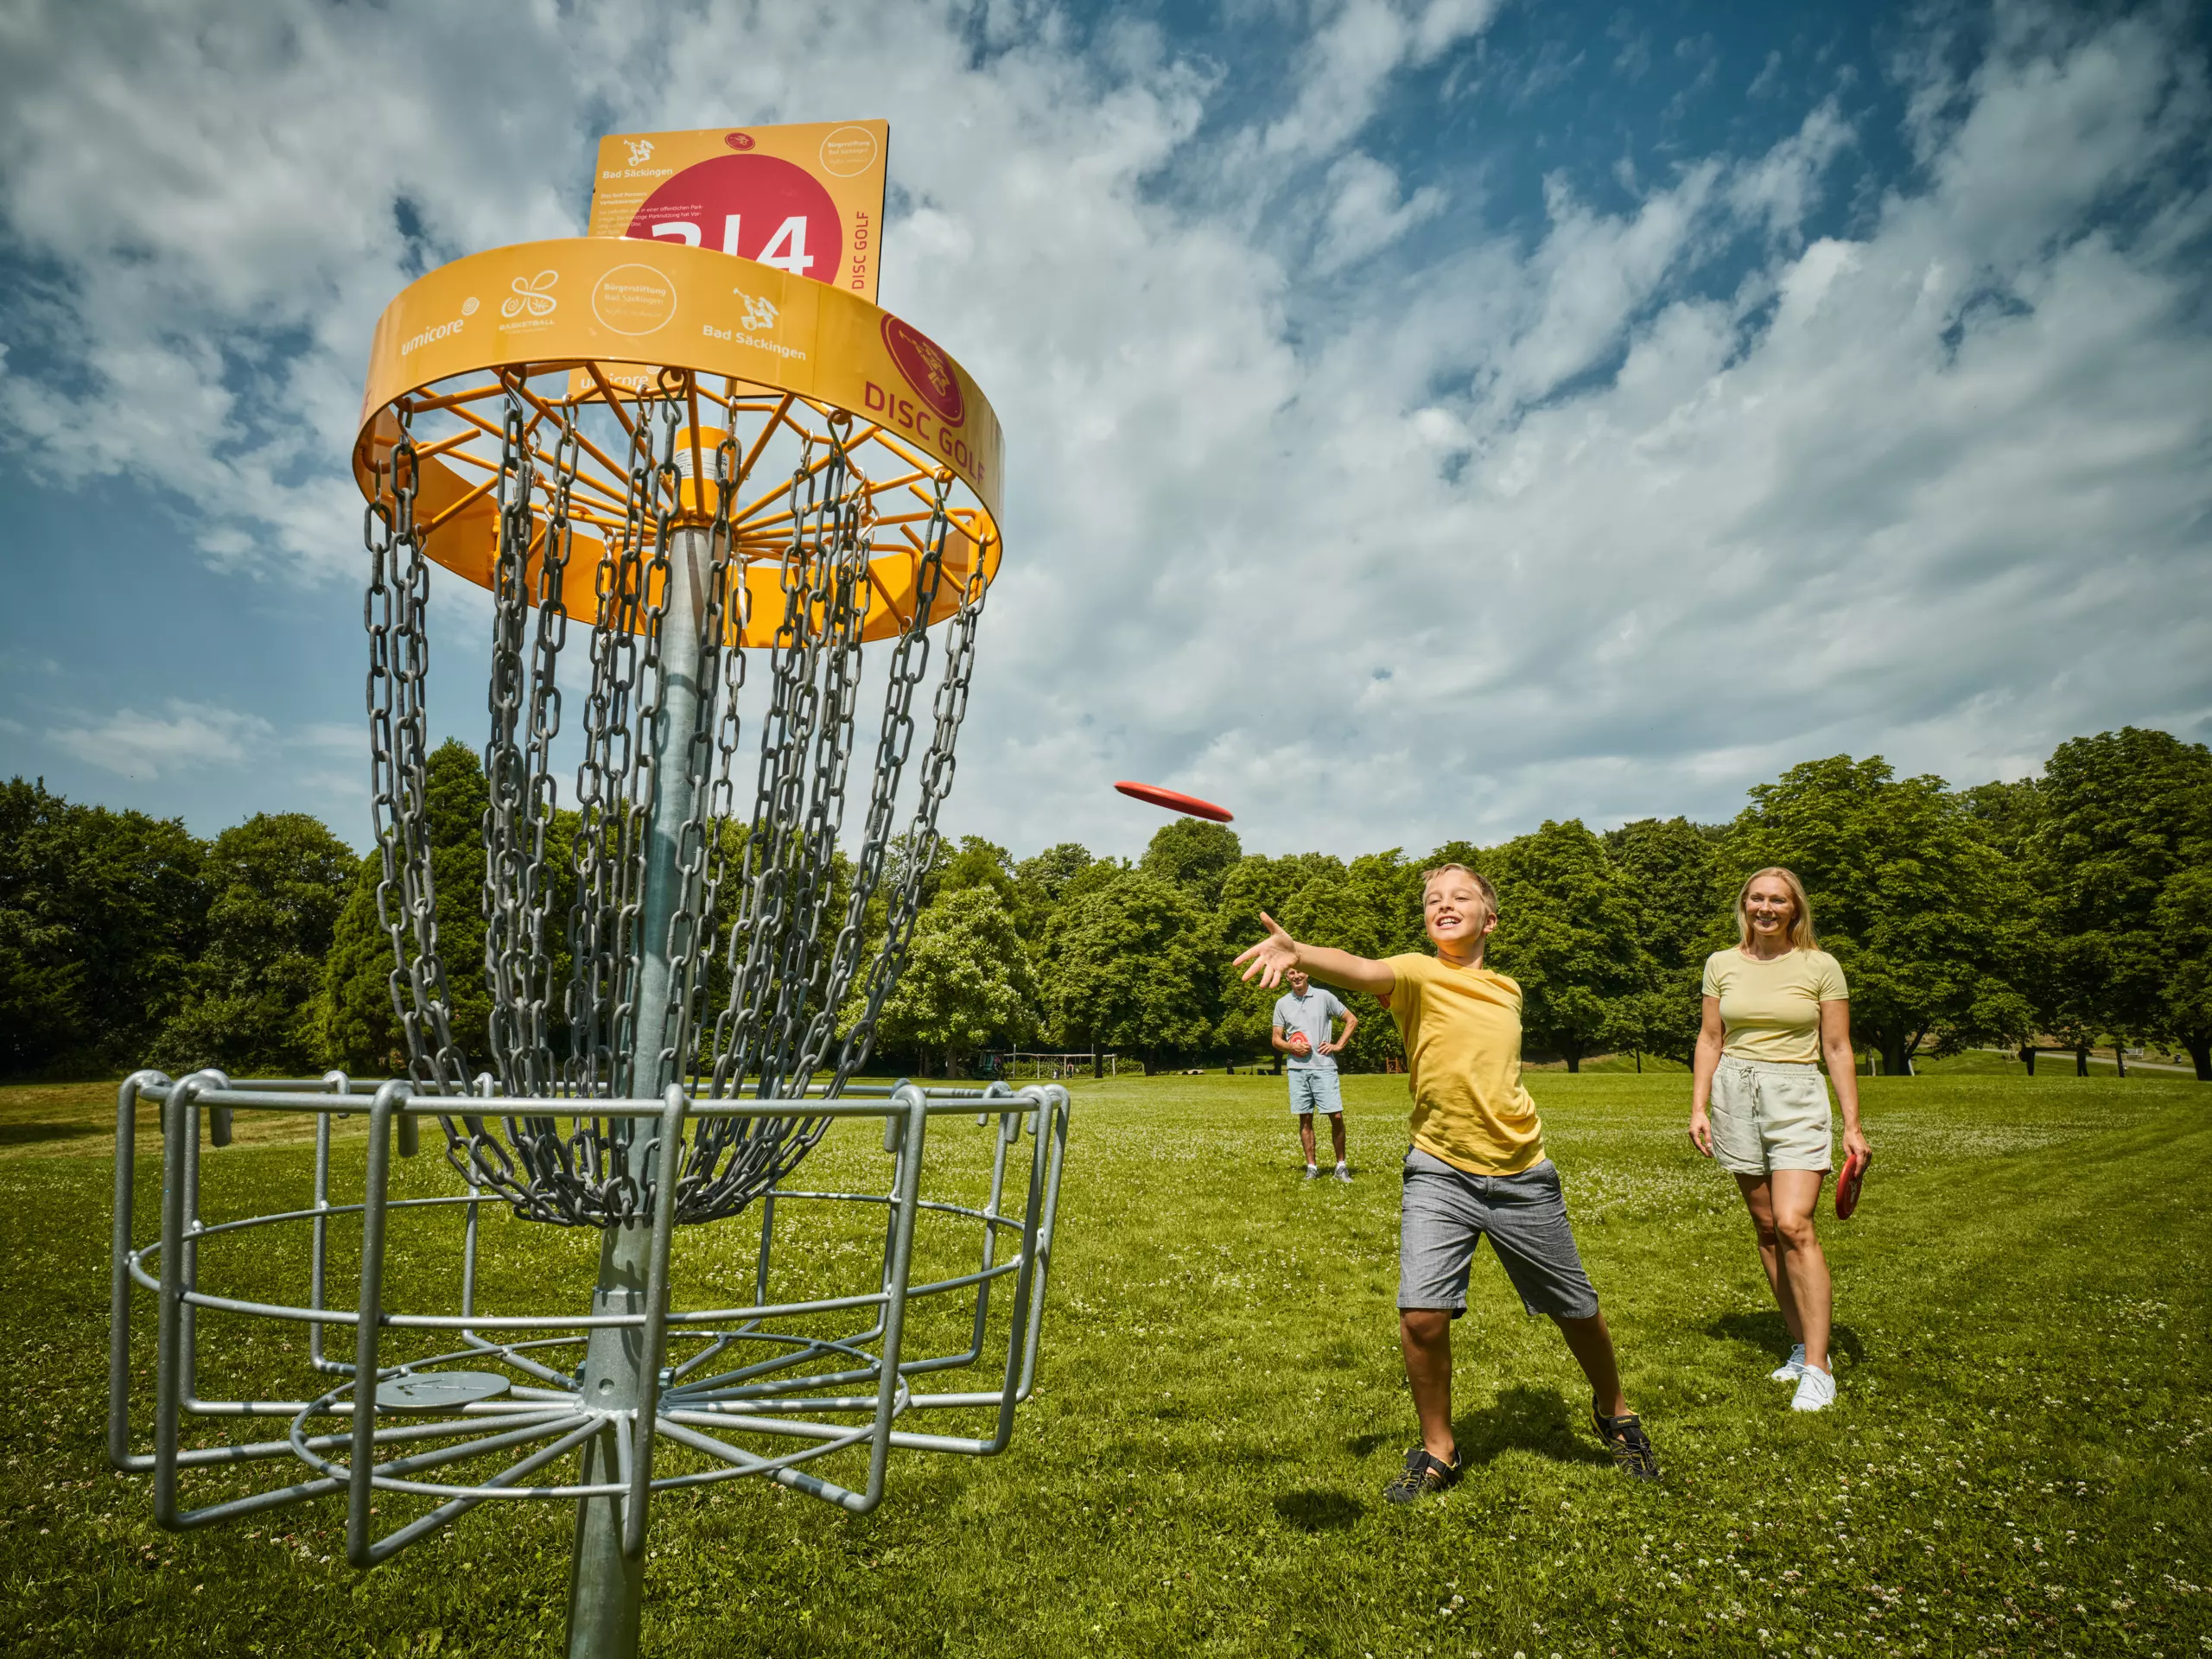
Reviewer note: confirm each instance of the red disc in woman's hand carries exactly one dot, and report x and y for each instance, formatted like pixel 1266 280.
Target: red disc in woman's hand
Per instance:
pixel 1175 801
pixel 1846 1186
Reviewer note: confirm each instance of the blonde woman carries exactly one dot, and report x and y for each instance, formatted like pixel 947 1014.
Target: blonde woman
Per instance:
pixel 1775 1006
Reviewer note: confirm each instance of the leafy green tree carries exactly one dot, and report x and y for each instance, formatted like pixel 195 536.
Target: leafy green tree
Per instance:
pixel 361 1029
pixel 1567 931
pixel 976 863
pixel 2128 816
pixel 100 911
pixel 1196 856
pixel 360 1033
pixel 1253 884
pixel 278 881
pixel 1041 882
pixel 1927 917
pixel 1372 907
pixel 967 980
pixel 2183 916
pixel 1125 969
pixel 2012 818
pixel 1682 917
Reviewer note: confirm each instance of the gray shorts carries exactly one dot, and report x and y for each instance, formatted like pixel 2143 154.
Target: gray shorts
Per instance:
pixel 1446 1215
pixel 1768 1115
pixel 1314 1089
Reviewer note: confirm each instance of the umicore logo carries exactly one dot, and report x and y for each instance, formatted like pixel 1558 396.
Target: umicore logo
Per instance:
pixel 435 331
pixel 530 295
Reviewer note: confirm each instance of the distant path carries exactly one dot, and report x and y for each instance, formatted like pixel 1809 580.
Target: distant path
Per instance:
pixel 2132 1065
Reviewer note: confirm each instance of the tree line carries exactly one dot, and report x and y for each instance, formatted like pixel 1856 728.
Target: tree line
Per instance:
pixel 2066 911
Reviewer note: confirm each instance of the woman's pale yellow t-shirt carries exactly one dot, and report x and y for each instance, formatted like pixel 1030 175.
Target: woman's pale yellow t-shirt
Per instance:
pixel 1461 1027
pixel 1771 1010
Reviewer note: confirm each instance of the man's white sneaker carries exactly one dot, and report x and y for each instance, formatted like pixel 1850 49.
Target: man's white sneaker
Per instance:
pixel 1344 1174
pixel 1311 1173
pixel 1815 1390
pixel 1791 1368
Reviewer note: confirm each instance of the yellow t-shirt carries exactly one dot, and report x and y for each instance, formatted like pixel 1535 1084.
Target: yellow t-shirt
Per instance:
pixel 1771 1010
pixel 1461 1027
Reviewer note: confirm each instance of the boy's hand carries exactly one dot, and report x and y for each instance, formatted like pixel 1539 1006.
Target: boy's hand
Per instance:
pixel 1272 958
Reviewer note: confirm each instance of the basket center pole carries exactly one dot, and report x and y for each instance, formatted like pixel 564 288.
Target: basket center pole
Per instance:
pixel 606 1589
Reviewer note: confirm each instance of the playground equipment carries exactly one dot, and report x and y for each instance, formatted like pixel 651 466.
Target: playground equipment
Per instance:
pixel 734 481
pixel 1011 1064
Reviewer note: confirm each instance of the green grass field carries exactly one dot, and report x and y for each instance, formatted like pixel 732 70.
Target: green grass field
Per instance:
pixel 2017 1464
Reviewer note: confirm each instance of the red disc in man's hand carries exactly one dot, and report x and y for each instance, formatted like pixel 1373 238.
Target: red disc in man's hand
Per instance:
pixel 1174 801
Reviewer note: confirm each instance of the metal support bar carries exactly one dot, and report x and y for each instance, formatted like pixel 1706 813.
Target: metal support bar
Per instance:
pixel 359 1545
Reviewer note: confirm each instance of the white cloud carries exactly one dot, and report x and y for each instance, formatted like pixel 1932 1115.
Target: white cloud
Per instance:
pixel 1934 484
pixel 1357 47
pixel 189 737
pixel 1365 214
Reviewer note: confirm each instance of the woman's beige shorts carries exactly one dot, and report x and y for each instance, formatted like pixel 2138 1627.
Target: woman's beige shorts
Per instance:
pixel 1767 1115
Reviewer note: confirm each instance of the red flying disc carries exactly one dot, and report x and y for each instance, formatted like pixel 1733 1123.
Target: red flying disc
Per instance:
pixel 1175 802
pixel 1847 1183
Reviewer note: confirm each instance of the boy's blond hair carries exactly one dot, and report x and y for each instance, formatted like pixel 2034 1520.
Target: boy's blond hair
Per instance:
pixel 1481 883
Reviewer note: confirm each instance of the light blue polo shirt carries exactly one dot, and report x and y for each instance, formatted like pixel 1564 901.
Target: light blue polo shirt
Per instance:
pixel 1310 1013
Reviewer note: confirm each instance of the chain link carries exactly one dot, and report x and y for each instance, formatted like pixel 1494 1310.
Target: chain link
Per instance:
pixel 769 904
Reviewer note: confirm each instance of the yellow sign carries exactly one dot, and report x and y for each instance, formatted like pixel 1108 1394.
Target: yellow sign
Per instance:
pixel 630 310
pixel 606 316
pixel 806 199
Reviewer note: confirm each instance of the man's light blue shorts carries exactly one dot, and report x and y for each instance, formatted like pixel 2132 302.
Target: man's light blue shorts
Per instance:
pixel 1313 1089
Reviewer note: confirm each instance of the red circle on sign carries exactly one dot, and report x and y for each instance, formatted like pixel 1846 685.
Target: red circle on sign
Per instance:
pixel 781 214
pixel 927 369
pixel 739 140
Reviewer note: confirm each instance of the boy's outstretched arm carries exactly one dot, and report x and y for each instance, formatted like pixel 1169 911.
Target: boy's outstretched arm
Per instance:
pixel 1277 954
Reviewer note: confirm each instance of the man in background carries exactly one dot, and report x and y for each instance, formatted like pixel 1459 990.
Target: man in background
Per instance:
pixel 1303 1019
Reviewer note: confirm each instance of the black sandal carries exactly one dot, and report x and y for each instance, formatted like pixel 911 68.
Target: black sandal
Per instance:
pixel 1423 1475
pixel 1623 1437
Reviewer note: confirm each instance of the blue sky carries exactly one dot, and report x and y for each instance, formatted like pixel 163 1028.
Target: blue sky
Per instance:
pixel 1424 419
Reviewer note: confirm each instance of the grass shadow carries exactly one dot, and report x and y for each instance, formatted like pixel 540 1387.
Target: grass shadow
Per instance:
pixel 1766 1332
pixel 1525 1418
pixel 25 1135
pixel 1315 1511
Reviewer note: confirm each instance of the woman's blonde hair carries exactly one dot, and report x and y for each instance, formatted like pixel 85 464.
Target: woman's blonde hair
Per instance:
pixel 1801 937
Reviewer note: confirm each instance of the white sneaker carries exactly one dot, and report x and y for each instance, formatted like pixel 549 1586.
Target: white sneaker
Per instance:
pixel 1311 1173
pixel 1815 1390
pixel 1791 1368
pixel 1344 1174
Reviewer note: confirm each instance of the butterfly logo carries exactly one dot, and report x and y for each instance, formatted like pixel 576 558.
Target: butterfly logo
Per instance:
pixel 530 295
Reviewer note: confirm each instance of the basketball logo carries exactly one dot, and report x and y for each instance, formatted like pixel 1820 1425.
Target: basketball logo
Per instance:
pixel 926 369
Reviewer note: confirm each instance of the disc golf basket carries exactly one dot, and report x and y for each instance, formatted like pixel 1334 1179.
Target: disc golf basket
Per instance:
pixel 714 507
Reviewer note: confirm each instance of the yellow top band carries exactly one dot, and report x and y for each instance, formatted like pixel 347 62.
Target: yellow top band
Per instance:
pixel 615 311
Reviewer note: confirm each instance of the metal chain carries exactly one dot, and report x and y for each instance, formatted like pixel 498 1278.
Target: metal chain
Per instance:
pixel 398 666
pixel 950 707
pixel 753 904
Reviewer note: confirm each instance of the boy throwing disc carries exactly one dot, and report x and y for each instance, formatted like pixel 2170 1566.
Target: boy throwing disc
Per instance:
pixel 1477 1167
